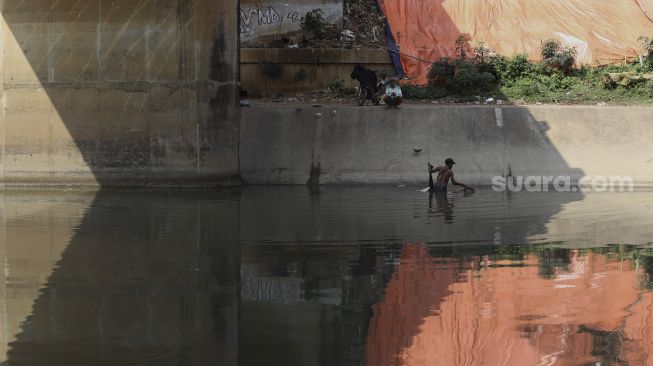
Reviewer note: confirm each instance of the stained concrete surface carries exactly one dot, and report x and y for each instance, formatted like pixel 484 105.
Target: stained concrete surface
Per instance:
pixel 306 69
pixel 119 92
pixel 374 145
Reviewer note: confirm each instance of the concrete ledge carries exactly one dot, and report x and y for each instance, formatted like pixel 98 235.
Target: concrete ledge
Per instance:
pixel 371 145
pixel 312 56
pixel 126 178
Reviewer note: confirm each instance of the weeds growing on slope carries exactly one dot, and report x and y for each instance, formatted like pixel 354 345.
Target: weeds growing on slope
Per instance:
pixel 473 76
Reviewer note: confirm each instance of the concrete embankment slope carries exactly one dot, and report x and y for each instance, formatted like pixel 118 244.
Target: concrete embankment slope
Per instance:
pixel 366 145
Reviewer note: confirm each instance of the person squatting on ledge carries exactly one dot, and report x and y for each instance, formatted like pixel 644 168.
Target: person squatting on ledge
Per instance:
pixel 393 96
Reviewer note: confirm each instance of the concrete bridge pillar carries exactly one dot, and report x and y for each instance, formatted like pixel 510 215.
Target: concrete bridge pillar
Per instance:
pixel 114 92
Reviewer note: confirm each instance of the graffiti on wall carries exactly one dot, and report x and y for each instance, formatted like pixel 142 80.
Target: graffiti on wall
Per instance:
pixel 249 18
pixel 269 17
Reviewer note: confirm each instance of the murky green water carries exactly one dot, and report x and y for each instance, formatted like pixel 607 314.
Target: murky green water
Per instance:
pixel 349 276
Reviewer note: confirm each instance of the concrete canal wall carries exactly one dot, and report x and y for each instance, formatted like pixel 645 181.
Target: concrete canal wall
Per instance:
pixel 363 145
pixel 306 69
pixel 119 91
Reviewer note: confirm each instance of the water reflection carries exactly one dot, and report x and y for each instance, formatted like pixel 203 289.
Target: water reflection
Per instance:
pixel 444 206
pixel 144 278
pixel 540 305
pixel 349 276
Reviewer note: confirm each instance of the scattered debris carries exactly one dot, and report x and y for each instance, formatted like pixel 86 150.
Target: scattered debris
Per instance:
pixel 348 35
pixel 363 28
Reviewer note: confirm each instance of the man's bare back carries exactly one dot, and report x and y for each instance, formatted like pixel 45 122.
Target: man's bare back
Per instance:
pixel 445 172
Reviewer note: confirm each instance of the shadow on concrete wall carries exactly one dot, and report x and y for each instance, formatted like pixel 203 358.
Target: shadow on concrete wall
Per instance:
pixel 119 93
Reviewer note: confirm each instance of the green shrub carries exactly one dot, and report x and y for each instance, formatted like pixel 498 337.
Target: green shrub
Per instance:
pixel 549 49
pixel 463 47
pixel 313 24
pixel 556 57
pixel 460 77
pixel 469 79
pixel 441 71
pixel 528 87
pixel 555 79
pixel 509 69
pixel 647 88
pixel 336 86
pixel 483 53
pixel 423 92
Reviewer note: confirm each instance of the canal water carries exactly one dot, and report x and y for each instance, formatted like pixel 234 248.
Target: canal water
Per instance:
pixel 340 276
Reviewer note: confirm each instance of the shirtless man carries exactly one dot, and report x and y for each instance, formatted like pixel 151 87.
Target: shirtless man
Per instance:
pixel 444 173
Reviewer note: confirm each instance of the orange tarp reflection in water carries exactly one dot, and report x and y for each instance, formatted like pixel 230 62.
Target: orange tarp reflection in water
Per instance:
pixel 602 31
pixel 437 312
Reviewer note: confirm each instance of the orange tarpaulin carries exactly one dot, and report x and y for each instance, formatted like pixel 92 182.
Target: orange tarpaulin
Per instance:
pixel 601 30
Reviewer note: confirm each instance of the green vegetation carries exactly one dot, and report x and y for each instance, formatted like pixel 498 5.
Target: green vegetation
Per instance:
pixel 475 75
pixel 647 46
pixel 558 59
pixel 313 24
pixel 337 86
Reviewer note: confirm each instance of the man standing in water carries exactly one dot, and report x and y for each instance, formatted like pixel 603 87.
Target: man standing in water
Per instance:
pixel 444 173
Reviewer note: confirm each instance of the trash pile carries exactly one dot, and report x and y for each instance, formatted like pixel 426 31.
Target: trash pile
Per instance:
pixel 363 28
pixel 364 24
